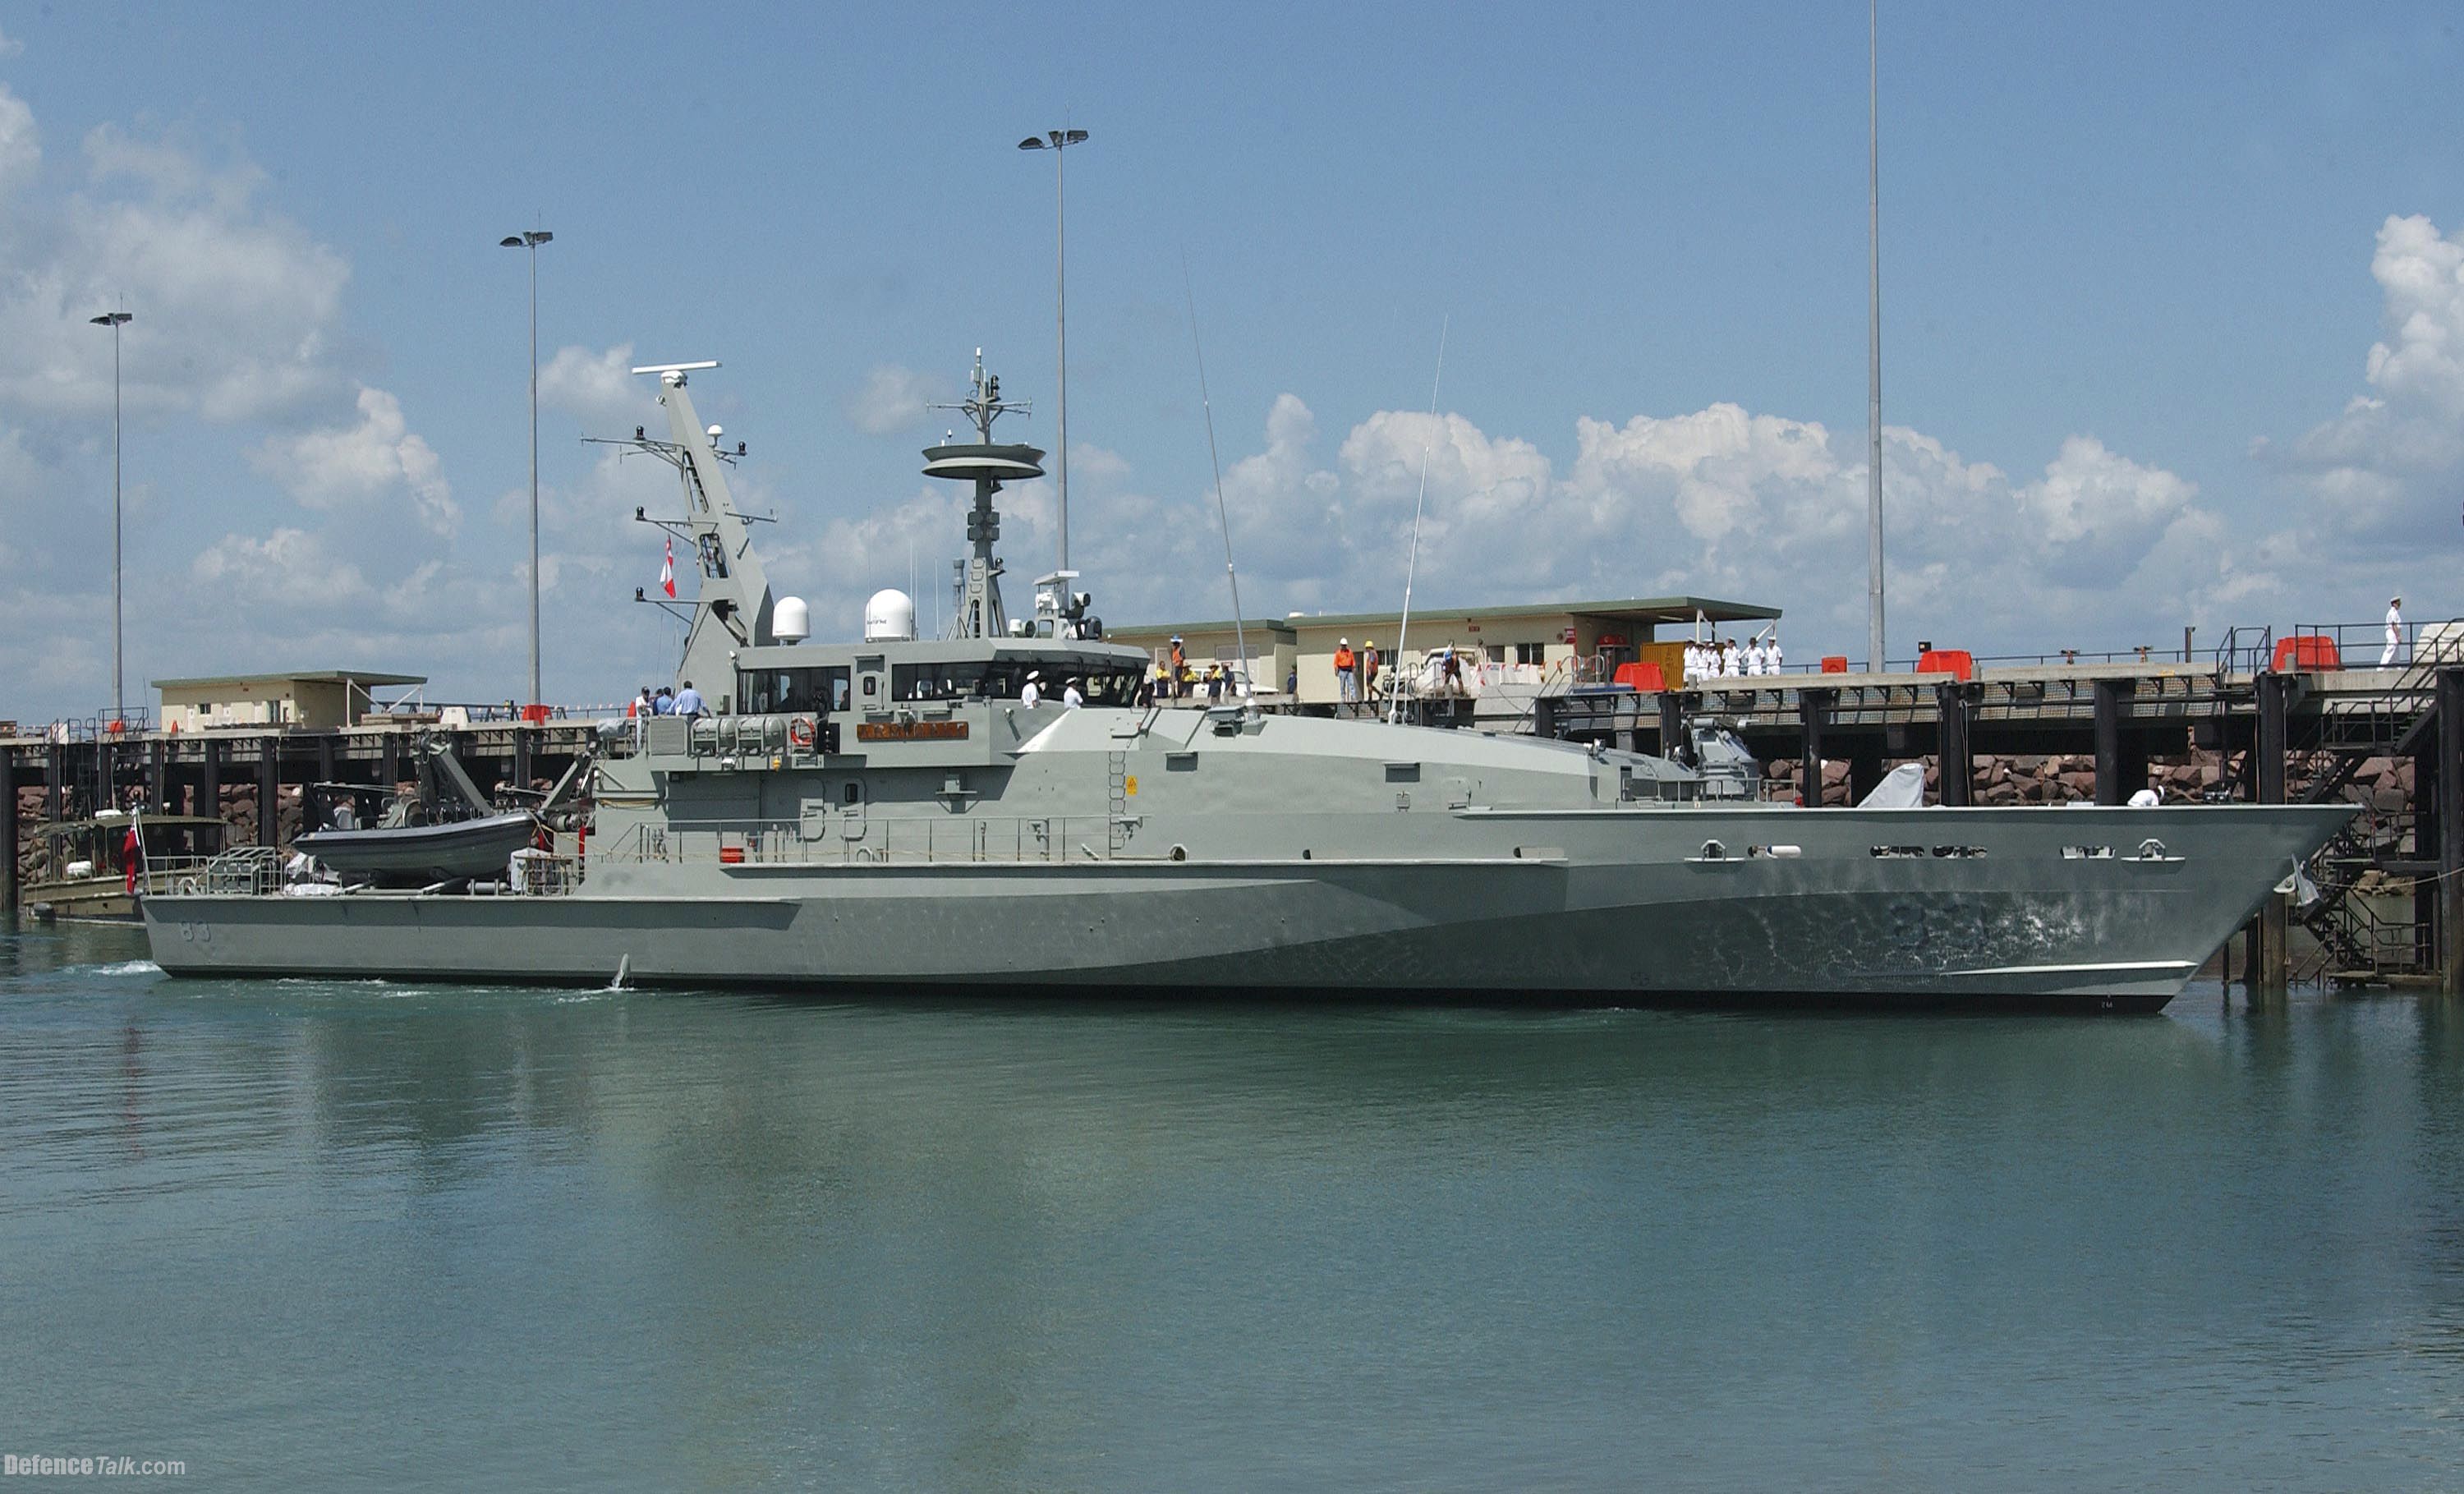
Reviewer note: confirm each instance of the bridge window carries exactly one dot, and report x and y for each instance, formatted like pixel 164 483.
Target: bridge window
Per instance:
pixel 810 692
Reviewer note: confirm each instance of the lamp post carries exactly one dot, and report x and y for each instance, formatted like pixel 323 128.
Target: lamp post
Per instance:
pixel 531 239
pixel 115 320
pixel 1874 336
pixel 1058 143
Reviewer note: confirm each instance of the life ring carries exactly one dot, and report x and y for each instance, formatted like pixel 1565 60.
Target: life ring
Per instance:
pixel 800 731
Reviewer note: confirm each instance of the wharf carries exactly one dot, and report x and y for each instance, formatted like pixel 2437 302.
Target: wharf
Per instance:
pixel 76 768
pixel 2122 714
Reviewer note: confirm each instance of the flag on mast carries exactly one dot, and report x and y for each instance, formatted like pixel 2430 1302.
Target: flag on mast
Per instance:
pixel 668 570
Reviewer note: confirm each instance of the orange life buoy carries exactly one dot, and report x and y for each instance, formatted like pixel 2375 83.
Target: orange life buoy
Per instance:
pixel 800 731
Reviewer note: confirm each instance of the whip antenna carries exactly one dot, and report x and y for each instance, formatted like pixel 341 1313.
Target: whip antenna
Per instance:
pixel 1393 690
pixel 1239 638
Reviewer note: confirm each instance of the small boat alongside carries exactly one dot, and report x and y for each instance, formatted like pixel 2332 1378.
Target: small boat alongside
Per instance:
pixel 91 868
pixel 421 855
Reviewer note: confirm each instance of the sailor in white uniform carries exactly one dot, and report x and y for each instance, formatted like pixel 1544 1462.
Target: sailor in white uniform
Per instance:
pixel 1032 693
pixel 2394 632
pixel 1070 697
pixel 1770 655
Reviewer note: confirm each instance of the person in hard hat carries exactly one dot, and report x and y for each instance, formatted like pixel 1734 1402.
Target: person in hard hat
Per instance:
pixel 1347 683
pixel 1032 692
pixel 1180 668
pixel 1370 660
pixel 2394 633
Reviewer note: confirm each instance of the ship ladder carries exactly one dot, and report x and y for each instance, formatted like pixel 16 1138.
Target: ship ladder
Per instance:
pixel 1117 765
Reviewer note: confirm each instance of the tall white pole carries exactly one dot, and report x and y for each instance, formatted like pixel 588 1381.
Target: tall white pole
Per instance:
pixel 535 695
pixel 118 699
pixel 1874 656
pixel 1060 323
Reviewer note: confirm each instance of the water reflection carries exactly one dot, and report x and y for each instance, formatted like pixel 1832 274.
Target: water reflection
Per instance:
pixel 714 1239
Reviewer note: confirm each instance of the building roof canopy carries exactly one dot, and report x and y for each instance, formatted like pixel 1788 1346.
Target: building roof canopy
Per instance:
pixel 1632 609
pixel 359 677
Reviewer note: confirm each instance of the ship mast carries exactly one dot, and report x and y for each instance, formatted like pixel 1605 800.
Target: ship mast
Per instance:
pixel 732 608
pixel 986 464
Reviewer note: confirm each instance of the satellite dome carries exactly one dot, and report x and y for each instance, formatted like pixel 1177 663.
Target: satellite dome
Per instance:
pixel 791 620
pixel 889 617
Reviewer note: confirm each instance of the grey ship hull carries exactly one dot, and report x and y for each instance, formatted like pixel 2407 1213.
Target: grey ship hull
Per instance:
pixel 1587 906
pixel 896 814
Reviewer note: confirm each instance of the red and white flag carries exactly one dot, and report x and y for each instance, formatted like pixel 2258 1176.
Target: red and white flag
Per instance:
pixel 668 569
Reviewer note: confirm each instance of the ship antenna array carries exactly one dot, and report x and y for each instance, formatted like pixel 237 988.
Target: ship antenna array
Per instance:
pixel 1403 630
pixel 983 404
pixel 1222 514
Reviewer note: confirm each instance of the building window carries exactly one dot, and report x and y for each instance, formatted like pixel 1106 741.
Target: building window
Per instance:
pixel 1528 653
pixel 1496 653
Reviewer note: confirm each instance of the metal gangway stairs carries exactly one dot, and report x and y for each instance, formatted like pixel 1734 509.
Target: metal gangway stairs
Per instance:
pixel 2372 716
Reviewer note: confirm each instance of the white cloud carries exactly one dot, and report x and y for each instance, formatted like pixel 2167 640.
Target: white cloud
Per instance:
pixel 891 400
pixel 2383 473
pixel 323 469
pixel 2421 276
pixel 10 46
pixel 289 564
pixel 2096 512
pixel 21 149
pixel 235 306
pixel 600 387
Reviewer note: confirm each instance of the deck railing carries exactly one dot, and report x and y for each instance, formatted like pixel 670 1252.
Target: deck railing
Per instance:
pixel 249 870
pixel 871 838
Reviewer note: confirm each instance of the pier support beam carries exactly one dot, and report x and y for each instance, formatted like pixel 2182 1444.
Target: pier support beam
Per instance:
pixel 7 834
pixel 56 777
pixel 2450 832
pixel 210 779
pixel 2274 692
pixel 521 774
pixel 1673 744
pixel 1956 770
pixel 2268 956
pixel 2426 843
pixel 2113 785
pixel 1812 710
pixel 269 791
pixel 312 815
pixel 157 776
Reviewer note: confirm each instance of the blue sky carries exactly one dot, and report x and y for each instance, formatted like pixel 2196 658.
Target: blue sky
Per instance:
pixel 2136 261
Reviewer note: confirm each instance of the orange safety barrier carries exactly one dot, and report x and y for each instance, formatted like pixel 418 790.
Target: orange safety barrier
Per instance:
pixel 535 715
pixel 1644 676
pixel 1834 663
pixel 1958 662
pixel 2307 652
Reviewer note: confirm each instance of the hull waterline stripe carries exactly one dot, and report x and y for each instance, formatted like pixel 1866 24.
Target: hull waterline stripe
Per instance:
pixel 2115 967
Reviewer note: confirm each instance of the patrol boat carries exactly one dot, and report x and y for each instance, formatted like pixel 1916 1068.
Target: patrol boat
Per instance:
pixel 908 814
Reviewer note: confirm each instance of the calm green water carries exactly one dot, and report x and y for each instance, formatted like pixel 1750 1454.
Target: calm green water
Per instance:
pixel 363 1236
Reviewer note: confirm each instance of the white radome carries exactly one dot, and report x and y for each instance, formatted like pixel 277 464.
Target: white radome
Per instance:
pixel 791 620
pixel 889 617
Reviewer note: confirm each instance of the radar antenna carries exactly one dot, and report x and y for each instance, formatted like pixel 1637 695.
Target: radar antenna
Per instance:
pixel 986 464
